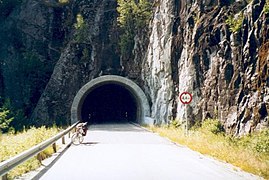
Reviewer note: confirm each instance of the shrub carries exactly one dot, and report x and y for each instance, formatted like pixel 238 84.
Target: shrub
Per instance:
pixel 235 23
pixel 80 22
pixel 259 141
pixel 213 126
pixel 81 29
pixel 5 120
pixel 266 7
pixel 18 117
pixel 175 123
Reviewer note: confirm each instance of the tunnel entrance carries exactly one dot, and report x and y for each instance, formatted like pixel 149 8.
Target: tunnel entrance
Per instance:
pixel 110 99
pixel 109 103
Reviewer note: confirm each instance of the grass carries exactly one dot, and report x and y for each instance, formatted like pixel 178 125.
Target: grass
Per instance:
pixel 12 144
pixel 250 153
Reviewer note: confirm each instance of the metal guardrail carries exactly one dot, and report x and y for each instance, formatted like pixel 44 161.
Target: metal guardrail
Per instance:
pixel 11 163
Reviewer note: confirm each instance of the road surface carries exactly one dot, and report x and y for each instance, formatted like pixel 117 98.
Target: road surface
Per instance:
pixel 128 152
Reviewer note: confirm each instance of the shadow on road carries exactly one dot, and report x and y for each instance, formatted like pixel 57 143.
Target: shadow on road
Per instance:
pixel 58 156
pixel 89 143
pixel 47 167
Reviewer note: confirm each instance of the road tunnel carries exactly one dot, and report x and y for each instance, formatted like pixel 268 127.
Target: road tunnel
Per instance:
pixel 110 99
pixel 109 103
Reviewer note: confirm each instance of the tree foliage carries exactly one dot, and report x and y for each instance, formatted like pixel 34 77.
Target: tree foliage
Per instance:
pixel 82 29
pixel 266 7
pixel 23 88
pixel 5 119
pixel 80 22
pixel 133 18
pixel 235 23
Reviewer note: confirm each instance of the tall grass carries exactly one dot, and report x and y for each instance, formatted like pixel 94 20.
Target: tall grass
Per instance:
pixel 250 153
pixel 12 144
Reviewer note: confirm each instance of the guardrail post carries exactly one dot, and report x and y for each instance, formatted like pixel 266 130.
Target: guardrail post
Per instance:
pixel 39 158
pixel 4 177
pixel 54 147
pixel 63 140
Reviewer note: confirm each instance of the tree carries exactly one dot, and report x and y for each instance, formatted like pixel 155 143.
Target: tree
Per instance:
pixel 133 18
pixel 5 120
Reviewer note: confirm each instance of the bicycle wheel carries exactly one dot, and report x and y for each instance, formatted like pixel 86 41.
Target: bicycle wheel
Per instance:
pixel 77 138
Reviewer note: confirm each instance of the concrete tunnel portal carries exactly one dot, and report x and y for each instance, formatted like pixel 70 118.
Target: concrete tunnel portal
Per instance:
pixel 110 99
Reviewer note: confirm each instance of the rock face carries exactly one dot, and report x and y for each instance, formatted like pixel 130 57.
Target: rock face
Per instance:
pixel 217 50
pixel 157 73
pixel 75 55
pixel 91 53
pixel 192 49
pixel 29 35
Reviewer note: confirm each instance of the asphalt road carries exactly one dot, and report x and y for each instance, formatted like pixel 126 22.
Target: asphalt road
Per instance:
pixel 127 152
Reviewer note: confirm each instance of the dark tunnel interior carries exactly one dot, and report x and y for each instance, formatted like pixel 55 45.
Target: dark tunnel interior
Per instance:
pixel 109 103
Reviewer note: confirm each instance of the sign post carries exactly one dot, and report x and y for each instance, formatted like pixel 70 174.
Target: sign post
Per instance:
pixel 186 98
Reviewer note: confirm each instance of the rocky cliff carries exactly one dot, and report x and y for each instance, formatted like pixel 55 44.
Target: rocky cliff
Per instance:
pixel 91 52
pixel 31 38
pixel 76 50
pixel 193 47
pixel 217 50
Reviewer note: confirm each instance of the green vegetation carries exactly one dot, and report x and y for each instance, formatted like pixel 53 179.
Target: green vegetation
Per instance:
pixel 80 22
pixel 211 126
pixel 28 76
pixel 85 55
pixel 31 73
pixel 250 153
pixel 12 144
pixel 5 120
pixel 133 17
pixel 81 29
pixel 266 7
pixel 235 23
pixel 63 1
pixel 11 119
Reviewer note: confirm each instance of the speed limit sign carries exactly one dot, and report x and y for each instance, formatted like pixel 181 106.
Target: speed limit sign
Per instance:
pixel 185 98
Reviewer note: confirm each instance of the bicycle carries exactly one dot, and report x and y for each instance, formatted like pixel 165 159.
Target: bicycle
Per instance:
pixel 78 136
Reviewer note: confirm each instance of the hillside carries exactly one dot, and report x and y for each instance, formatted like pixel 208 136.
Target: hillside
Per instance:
pixel 217 50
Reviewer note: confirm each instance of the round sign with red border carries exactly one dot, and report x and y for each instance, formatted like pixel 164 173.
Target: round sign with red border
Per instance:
pixel 185 98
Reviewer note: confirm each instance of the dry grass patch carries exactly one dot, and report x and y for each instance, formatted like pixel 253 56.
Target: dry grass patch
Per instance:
pixel 244 153
pixel 13 144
